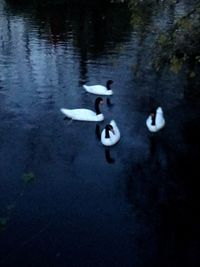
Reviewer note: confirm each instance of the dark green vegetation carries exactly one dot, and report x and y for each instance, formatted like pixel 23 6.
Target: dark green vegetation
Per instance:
pixel 3 222
pixel 175 46
pixel 27 178
pixel 180 43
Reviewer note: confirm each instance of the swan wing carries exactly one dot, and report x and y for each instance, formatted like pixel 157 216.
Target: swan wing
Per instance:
pixel 160 121
pixel 116 129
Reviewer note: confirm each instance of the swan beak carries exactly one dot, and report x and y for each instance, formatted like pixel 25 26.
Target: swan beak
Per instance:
pixel 113 131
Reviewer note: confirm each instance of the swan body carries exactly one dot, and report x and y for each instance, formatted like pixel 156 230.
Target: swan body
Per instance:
pixel 159 121
pixel 99 89
pixel 110 135
pixel 82 114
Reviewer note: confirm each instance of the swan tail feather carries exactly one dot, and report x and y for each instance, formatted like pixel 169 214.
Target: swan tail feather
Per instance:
pixel 86 87
pixel 67 112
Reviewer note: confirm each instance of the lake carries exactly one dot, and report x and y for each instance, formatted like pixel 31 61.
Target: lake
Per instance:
pixel 65 200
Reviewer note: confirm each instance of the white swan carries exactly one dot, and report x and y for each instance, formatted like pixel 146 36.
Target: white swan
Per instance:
pixel 110 135
pixel 99 89
pixel 156 120
pixel 82 114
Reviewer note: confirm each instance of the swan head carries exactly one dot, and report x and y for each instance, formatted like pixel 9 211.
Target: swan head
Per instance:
pixel 99 100
pixel 108 128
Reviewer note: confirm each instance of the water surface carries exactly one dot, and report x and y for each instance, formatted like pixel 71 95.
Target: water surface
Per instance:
pixel 134 204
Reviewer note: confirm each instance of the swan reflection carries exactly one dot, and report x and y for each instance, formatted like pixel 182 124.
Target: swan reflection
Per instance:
pixel 98 132
pixel 108 157
pixel 109 103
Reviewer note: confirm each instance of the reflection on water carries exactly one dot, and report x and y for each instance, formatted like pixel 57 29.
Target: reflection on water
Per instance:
pixel 108 156
pixel 109 102
pixel 98 132
pixel 141 211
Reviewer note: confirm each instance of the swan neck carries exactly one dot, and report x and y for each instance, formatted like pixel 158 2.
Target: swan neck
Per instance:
pixel 107 135
pixel 97 109
pixel 108 85
pixel 153 119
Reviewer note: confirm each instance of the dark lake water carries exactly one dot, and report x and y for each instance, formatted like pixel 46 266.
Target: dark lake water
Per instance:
pixel 135 204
